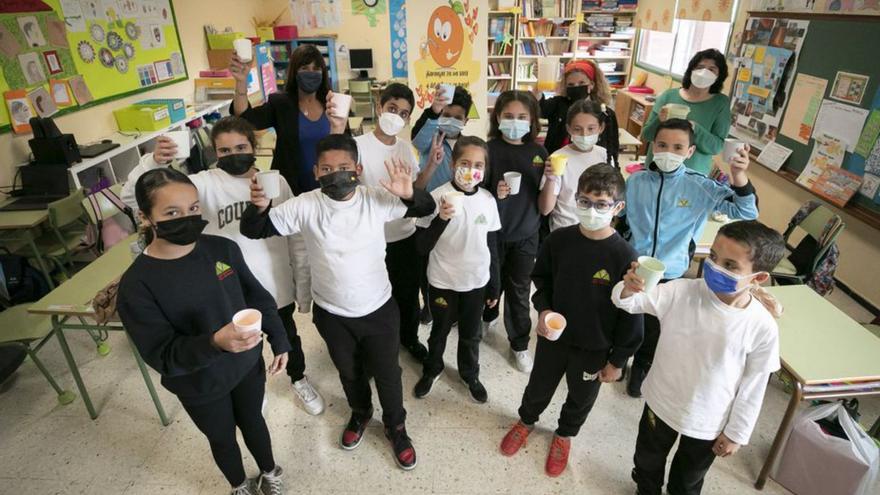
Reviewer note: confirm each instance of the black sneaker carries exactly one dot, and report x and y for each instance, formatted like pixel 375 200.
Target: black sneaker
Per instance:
pixel 423 386
pixel 354 432
pixel 417 351
pixel 477 390
pixel 425 317
pixel 634 385
pixel 404 452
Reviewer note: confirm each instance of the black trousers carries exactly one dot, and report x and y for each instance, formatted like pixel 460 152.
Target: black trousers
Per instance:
pixel 368 341
pixel 296 361
pixel 403 263
pixel 423 285
pixel 240 408
pixel 553 360
pixel 645 355
pixel 449 306
pixel 692 460
pixel 516 259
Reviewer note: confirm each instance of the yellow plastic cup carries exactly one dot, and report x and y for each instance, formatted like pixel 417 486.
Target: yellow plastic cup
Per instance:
pixel 558 163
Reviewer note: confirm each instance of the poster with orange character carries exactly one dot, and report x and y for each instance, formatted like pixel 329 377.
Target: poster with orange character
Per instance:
pixel 448 47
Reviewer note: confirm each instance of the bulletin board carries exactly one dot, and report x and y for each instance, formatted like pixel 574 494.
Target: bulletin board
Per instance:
pixel 834 44
pixel 60 56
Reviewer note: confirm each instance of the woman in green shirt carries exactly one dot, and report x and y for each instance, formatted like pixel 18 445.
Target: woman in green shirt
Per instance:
pixel 709 108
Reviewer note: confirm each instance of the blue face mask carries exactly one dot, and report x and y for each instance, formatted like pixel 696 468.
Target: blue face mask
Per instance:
pixel 450 126
pixel 721 281
pixel 514 129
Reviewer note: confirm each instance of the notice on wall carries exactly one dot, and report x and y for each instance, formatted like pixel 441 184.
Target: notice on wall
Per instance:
pixel 803 107
pixel 843 121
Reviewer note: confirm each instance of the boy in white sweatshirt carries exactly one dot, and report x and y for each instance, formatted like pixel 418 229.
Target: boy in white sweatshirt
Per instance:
pixel 718 344
pixel 280 265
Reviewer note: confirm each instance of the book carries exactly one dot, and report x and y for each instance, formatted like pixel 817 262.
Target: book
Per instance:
pixel 837 185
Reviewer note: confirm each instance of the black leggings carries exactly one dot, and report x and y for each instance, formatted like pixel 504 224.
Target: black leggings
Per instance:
pixel 296 361
pixel 516 259
pixel 240 407
pixel 356 344
pixel 404 264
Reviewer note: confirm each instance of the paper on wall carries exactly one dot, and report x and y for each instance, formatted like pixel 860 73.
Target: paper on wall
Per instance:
pixel 869 134
pixel 828 151
pixel 843 121
pixel 870 184
pixel 774 155
pixel 73 16
pixel 803 107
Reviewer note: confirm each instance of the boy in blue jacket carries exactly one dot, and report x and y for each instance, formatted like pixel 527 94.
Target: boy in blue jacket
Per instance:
pixel 440 124
pixel 667 206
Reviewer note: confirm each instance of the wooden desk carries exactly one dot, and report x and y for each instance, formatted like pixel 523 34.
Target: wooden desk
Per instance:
pixel 72 299
pixel 820 346
pixel 21 227
pixel 17 220
pixel 629 142
pixel 625 105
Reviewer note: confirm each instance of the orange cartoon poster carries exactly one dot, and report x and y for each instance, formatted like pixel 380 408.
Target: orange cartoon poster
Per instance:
pixel 448 46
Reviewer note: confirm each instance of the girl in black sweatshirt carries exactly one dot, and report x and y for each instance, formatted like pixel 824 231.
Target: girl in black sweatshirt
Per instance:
pixel 177 301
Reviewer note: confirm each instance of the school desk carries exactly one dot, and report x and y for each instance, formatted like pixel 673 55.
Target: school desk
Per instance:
pixel 826 354
pixel 629 142
pixel 17 227
pixel 72 300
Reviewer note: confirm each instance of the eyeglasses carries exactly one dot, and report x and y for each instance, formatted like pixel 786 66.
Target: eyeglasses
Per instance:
pixel 600 206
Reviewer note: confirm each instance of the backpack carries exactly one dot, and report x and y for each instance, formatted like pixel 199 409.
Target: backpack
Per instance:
pixel 22 282
pixel 822 278
pixel 107 232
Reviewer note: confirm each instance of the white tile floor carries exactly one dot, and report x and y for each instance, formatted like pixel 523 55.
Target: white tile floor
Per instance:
pixel 53 449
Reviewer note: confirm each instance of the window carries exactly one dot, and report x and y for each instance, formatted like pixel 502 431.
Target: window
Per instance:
pixel 671 52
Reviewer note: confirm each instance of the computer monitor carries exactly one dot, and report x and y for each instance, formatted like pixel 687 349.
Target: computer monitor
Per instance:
pixel 361 60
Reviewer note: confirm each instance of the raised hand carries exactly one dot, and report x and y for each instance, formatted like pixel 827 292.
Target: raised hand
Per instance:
pixel 632 283
pixel 337 124
pixel 399 183
pixel 436 156
pixel 439 102
pixel 165 150
pixel 239 68
pixel 258 197
pixel 447 211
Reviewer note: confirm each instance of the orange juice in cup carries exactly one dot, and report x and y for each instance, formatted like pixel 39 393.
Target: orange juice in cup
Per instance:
pixel 554 323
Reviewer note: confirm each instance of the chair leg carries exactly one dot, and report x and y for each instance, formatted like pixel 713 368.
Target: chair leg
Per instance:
pixel 64 396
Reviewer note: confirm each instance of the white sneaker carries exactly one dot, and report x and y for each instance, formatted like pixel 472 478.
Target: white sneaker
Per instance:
pixel 523 361
pixel 249 487
pixel 310 398
pixel 489 325
pixel 265 403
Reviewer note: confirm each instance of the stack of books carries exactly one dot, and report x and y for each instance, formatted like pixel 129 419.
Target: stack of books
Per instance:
pixel 628 4
pixel 500 26
pixel 499 68
pixel 600 24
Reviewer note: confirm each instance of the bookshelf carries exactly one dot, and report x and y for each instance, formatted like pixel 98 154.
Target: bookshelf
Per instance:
pixel 501 39
pixel 280 50
pixel 551 29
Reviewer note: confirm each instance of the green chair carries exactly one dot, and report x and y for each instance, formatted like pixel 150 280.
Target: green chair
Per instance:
pixel 814 246
pixel 362 94
pixel 65 236
pixel 31 332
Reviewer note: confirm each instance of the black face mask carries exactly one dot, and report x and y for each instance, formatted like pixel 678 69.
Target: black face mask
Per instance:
pixel 309 81
pixel 575 93
pixel 236 164
pixel 181 231
pixel 338 185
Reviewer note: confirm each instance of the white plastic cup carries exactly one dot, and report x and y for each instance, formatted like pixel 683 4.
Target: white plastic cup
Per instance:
pixel 270 181
pixel 555 324
pixel 244 49
pixel 342 103
pixel 513 180
pixel 449 92
pixel 248 320
pixel 182 140
pixel 677 111
pixel 731 149
pixel 650 270
pixel 456 199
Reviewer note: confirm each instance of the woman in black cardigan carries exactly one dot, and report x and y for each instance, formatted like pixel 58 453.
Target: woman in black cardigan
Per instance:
pixel 582 79
pixel 300 114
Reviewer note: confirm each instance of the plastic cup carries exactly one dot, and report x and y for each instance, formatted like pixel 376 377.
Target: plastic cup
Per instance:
pixel 248 320
pixel 651 271
pixel 342 104
pixel 270 181
pixel 554 323
pixel 449 92
pixel 558 163
pixel 513 180
pixel 677 111
pixel 182 140
pixel 244 49
pixel 731 149
pixel 456 199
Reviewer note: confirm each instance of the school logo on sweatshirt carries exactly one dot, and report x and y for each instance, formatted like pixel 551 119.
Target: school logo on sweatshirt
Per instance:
pixel 441 302
pixel 538 161
pixel 481 220
pixel 223 270
pixel 601 278
pixel 684 203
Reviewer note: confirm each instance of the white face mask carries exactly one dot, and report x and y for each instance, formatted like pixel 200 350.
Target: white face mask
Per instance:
pixel 668 161
pixel 467 177
pixel 593 220
pixel 585 143
pixel 391 123
pixel 703 78
pixel 514 129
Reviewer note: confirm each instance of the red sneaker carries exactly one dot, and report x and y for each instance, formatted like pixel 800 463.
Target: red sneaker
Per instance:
pixel 354 432
pixel 515 438
pixel 557 458
pixel 404 453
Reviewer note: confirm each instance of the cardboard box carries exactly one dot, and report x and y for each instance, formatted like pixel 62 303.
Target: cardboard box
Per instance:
pixel 219 59
pixel 140 118
pixel 266 33
pixel 176 107
pixel 223 41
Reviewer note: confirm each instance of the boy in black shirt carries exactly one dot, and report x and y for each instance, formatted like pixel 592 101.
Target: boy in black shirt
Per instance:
pixel 576 269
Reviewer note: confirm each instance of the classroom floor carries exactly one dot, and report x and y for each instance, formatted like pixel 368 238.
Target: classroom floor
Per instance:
pixel 53 449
